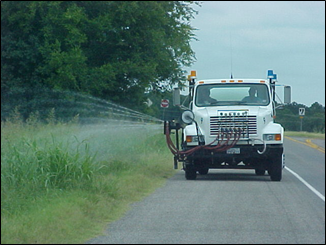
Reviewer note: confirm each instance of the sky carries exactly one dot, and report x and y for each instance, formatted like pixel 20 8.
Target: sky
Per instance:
pixel 247 38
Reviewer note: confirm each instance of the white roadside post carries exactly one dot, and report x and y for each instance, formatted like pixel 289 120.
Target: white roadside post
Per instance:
pixel 301 114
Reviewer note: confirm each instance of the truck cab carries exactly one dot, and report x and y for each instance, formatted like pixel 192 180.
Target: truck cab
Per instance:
pixel 230 124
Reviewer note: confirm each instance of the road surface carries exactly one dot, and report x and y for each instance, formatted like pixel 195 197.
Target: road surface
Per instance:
pixel 233 206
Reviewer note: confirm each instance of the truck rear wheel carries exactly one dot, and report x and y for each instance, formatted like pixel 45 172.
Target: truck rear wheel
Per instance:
pixel 276 168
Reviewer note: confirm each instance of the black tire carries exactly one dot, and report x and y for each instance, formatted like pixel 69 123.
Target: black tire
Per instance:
pixel 276 168
pixel 203 171
pixel 260 171
pixel 190 173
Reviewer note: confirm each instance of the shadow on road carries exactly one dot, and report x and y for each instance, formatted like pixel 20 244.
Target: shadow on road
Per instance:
pixel 225 175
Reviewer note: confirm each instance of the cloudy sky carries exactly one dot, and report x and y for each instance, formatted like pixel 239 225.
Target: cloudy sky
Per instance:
pixel 248 38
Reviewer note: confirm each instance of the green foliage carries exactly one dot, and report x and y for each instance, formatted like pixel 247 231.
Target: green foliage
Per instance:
pixel 29 164
pixel 305 134
pixel 64 183
pixel 114 50
pixel 312 121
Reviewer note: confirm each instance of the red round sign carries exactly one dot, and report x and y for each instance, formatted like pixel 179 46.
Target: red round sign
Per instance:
pixel 165 103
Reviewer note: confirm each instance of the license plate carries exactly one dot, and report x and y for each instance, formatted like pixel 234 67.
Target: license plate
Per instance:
pixel 233 151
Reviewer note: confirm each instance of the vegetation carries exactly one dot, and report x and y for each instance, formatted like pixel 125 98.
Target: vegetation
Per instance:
pixel 121 51
pixel 62 183
pixel 313 121
pixel 113 50
pixel 62 63
pixel 305 134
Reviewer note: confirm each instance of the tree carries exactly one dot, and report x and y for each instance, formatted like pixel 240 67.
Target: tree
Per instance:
pixel 115 50
pixel 313 121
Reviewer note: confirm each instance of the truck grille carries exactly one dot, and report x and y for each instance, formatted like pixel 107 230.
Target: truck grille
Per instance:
pixel 247 124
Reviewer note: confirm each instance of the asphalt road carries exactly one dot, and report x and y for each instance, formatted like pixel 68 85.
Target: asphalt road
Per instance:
pixel 232 207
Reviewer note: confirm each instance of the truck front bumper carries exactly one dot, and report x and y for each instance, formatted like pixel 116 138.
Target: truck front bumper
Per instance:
pixel 239 156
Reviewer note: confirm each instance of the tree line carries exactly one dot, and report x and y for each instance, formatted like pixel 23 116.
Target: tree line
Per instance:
pixel 113 50
pixel 55 52
pixel 312 121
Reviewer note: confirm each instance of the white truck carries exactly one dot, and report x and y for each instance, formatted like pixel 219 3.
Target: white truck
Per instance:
pixel 229 124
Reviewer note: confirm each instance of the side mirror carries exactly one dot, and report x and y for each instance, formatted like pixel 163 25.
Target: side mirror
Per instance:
pixel 176 97
pixel 188 117
pixel 287 95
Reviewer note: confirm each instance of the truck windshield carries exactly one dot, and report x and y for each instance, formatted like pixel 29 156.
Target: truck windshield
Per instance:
pixel 232 94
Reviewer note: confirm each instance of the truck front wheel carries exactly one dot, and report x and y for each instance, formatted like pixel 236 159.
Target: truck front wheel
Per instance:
pixel 190 173
pixel 203 171
pixel 276 168
pixel 260 171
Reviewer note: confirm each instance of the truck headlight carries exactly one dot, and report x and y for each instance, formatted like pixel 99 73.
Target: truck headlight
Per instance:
pixel 191 138
pixel 194 138
pixel 275 137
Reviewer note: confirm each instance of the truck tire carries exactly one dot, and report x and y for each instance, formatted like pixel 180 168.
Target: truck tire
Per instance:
pixel 276 168
pixel 260 171
pixel 190 173
pixel 203 171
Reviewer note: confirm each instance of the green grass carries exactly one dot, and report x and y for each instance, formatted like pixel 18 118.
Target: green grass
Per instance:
pixel 65 183
pixel 305 135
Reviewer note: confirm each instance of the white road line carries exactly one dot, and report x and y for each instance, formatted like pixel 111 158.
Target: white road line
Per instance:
pixel 306 183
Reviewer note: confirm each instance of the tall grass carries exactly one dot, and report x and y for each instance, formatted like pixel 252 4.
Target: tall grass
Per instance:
pixel 33 165
pixel 61 183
